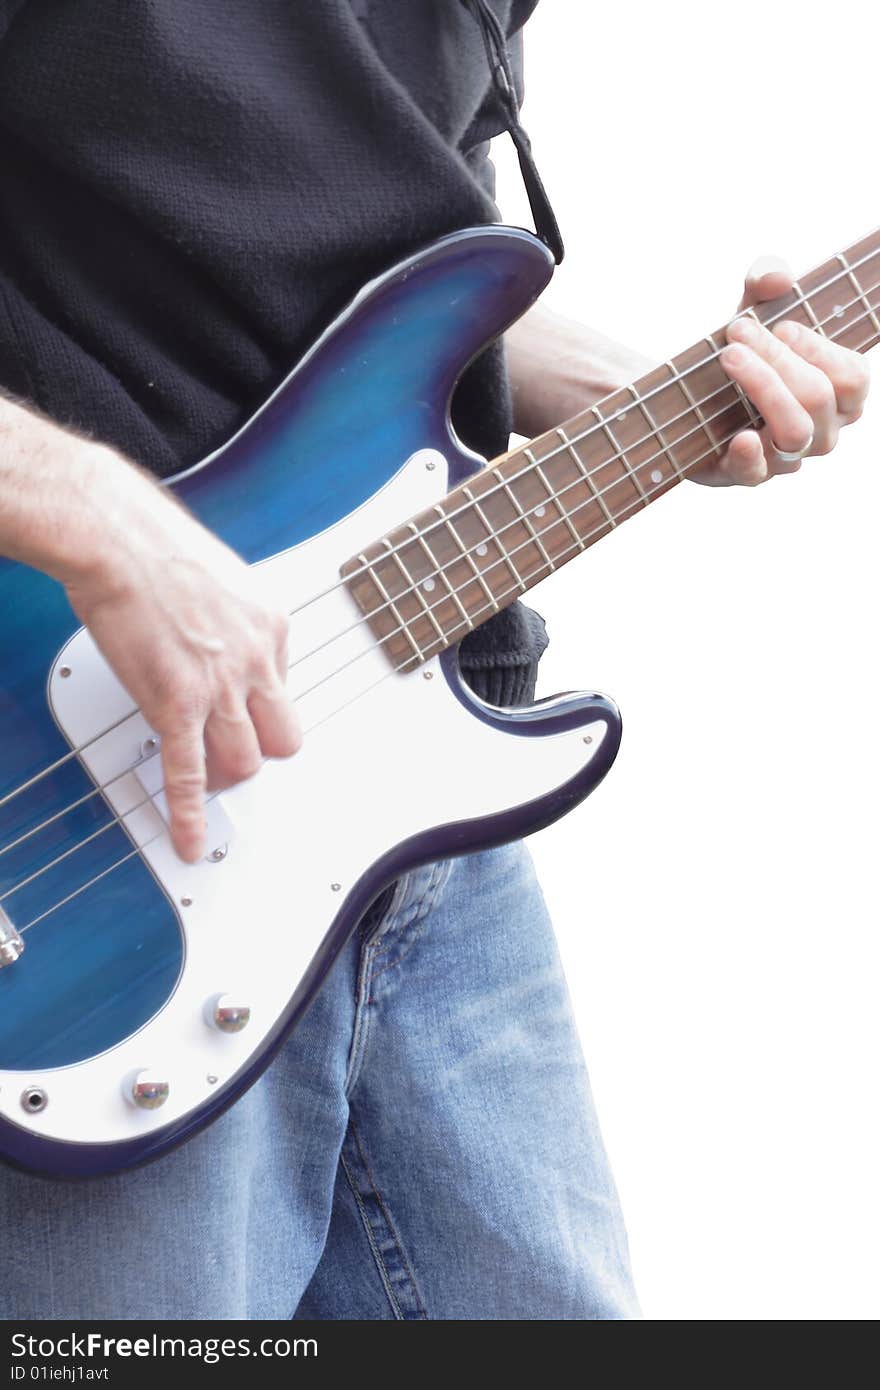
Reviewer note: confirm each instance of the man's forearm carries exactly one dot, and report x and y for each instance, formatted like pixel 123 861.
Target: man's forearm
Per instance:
pixel 559 367
pixel 64 499
pixel 179 617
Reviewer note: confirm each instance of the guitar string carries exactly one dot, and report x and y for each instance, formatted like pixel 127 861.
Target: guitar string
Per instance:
pixel 444 641
pixel 798 300
pixel 552 497
pixel 867 344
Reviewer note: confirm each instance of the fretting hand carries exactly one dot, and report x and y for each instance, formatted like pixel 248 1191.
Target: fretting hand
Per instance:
pixel 805 387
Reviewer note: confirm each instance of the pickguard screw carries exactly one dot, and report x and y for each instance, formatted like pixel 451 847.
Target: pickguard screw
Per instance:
pixel 186 901
pixel 64 672
pixel 33 1100
pixel 430 465
pixel 588 738
pixel 219 853
pixel 335 887
pixel 211 1079
pixel 428 675
pixel 150 745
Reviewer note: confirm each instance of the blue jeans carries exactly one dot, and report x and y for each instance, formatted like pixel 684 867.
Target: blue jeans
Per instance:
pixel 424 1147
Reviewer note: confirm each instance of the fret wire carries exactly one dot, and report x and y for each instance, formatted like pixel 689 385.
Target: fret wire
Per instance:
pixel 414 588
pixel 754 418
pixel 805 301
pixel 658 432
pixel 492 536
pixel 553 497
pixel 585 473
pixel 621 453
pixel 527 523
pixel 438 569
pixel 467 555
pixel 389 603
pixel 858 289
pixel 695 406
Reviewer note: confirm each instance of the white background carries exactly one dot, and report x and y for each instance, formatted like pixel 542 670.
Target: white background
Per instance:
pixel 716 897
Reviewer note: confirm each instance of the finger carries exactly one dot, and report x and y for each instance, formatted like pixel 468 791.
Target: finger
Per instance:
pixel 184 777
pixel 767 278
pixel 276 722
pixel 789 423
pixel 847 371
pixel 744 461
pixel 810 386
pixel 231 746
pixel 282 658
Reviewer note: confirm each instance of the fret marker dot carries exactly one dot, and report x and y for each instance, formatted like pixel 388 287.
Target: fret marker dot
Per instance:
pixel 428 585
pixel 540 511
pixel 622 415
pixel 656 475
pixel 482 550
pixel 839 311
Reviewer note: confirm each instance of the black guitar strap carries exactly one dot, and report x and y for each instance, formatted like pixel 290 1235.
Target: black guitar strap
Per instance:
pixel 503 81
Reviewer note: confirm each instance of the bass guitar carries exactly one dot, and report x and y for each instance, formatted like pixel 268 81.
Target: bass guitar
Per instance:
pixel 139 995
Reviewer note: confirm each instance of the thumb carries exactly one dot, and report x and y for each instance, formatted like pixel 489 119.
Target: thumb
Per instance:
pixel 767 278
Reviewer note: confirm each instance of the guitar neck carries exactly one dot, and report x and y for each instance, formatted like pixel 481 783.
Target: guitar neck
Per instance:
pixel 447 570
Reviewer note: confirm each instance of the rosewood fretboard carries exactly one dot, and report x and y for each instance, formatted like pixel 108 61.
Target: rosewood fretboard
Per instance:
pixel 448 569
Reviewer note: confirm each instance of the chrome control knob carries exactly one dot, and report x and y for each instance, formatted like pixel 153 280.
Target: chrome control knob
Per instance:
pixel 11 941
pixel 146 1089
pixel 228 1013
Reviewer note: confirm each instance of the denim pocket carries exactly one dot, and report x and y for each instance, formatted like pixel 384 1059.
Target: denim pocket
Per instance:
pixel 412 900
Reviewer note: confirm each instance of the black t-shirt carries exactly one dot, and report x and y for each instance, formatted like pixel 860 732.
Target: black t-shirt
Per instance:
pixel 190 191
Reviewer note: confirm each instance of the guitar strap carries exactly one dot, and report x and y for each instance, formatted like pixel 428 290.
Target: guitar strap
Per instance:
pixel 505 90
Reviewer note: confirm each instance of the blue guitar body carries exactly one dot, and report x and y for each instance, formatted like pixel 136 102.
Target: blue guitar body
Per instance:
pixel 119 967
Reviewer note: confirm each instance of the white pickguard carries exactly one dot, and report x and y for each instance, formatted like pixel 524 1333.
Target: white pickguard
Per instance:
pixel 385 756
